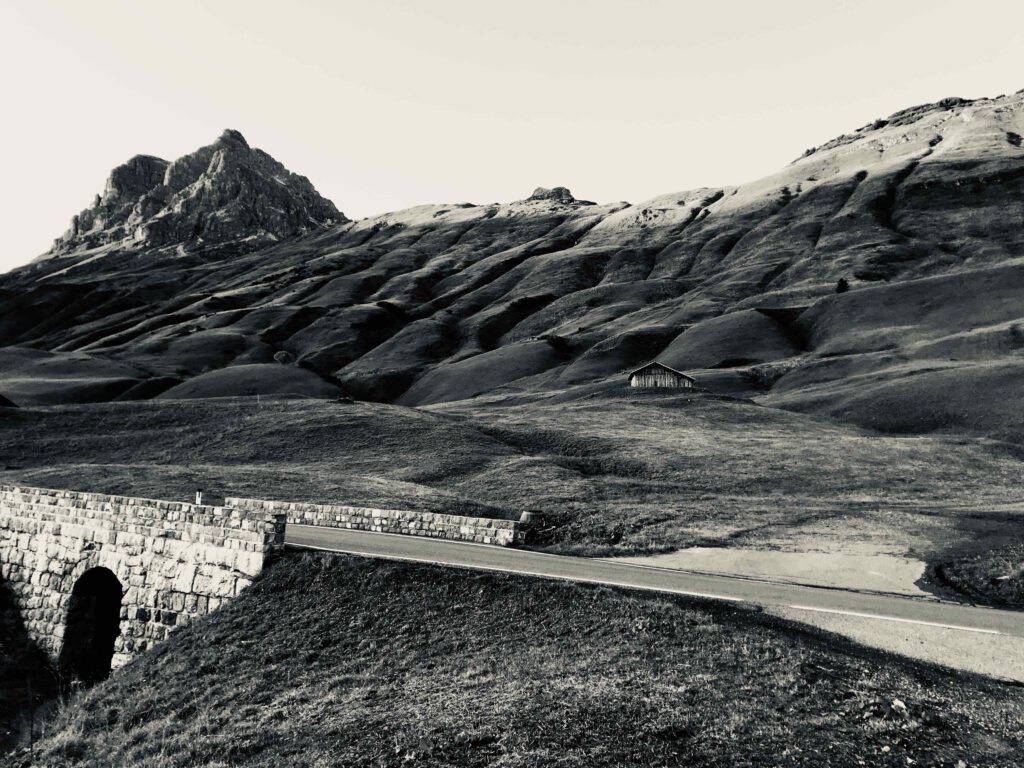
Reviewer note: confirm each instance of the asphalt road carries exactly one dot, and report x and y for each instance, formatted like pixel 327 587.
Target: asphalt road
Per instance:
pixel 966 637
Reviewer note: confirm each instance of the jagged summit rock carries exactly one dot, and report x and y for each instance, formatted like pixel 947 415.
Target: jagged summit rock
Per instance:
pixel 561 194
pixel 221 193
pixel 231 136
pixel 557 195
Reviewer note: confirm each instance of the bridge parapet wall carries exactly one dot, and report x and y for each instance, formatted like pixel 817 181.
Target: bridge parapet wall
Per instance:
pixel 480 530
pixel 175 560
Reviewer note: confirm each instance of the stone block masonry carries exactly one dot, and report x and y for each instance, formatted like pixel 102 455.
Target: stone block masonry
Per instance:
pixel 480 530
pixel 175 561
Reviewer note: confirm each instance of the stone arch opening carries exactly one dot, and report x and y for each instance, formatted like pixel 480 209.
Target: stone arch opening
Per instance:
pixel 92 625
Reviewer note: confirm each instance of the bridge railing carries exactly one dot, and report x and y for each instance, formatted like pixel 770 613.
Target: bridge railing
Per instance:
pixel 480 530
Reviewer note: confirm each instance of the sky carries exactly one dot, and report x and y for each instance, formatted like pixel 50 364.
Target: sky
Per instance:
pixel 386 104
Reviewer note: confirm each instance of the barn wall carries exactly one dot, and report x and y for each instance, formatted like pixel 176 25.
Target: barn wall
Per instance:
pixel 659 378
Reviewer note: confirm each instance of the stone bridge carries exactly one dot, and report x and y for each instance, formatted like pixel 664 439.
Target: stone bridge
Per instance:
pixel 100 578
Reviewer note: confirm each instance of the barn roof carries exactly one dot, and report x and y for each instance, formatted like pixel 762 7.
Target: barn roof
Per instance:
pixel 656 364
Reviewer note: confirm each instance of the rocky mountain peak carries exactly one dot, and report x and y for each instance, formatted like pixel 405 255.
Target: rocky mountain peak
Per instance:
pixel 226 192
pixel 231 137
pixel 557 194
pixel 134 178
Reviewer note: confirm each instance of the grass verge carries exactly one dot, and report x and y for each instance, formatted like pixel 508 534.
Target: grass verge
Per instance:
pixel 992 576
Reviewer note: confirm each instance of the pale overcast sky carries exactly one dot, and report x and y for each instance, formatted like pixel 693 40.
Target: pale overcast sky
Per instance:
pixel 384 105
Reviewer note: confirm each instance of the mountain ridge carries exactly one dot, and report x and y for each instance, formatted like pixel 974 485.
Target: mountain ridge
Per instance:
pixel 737 284
pixel 223 192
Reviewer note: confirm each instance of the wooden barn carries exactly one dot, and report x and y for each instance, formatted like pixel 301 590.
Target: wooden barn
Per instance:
pixel 659 375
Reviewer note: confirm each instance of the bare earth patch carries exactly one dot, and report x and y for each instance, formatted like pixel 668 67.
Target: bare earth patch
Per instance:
pixel 862 572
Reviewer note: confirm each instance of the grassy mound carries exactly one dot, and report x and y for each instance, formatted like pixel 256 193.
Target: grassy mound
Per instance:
pixel 922 397
pixel 337 661
pixel 254 379
pixel 35 377
pixel 905 313
pixel 734 339
pixel 481 373
pixel 994 576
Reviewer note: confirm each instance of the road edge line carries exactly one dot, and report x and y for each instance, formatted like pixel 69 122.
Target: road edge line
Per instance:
pixel 858 614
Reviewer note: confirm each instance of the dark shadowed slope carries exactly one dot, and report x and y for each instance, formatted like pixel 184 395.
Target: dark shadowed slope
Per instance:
pixel 921 213
pixel 332 661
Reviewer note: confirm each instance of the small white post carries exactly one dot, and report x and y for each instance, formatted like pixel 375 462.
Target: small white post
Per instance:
pixel 199 498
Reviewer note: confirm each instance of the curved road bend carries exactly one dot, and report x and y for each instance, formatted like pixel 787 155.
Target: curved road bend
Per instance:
pixel 983 640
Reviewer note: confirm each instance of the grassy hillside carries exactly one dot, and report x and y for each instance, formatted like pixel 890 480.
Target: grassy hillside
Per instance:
pixel 336 661
pixel 617 470
pixel 614 472
pixel 918 214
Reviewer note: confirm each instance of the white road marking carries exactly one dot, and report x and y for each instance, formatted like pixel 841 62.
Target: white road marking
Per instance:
pixel 518 572
pixel 623 584
pixel 895 618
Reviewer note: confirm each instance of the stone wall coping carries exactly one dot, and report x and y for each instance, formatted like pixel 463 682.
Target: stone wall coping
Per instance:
pixel 402 514
pixel 184 511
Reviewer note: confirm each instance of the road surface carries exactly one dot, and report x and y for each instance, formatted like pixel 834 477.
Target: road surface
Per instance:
pixel 966 637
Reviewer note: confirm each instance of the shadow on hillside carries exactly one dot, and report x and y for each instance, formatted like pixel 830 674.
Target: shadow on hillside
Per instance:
pixel 27 679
